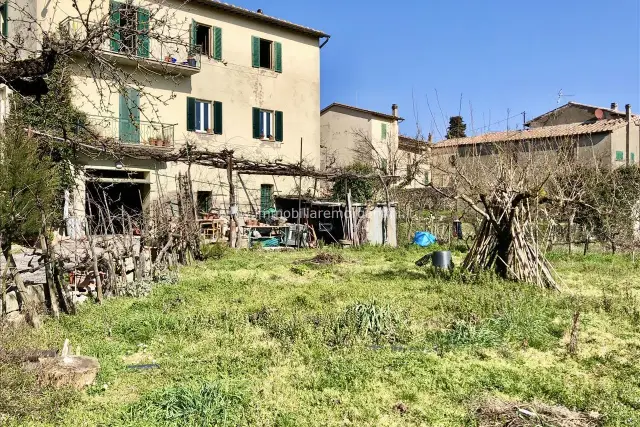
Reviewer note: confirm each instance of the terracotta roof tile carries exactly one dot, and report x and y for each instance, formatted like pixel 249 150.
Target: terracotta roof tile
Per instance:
pixel 545 132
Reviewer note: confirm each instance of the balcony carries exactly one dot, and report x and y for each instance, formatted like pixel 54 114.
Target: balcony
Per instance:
pixel 126 131
pixel 169 56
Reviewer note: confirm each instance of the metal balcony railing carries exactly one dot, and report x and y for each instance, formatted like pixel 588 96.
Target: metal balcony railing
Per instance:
pixel 127 131
pixel 172 57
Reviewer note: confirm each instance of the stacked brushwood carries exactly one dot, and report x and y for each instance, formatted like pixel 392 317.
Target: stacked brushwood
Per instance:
pixel 506 244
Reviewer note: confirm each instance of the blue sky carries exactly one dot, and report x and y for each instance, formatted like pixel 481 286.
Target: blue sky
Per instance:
pixel 500 55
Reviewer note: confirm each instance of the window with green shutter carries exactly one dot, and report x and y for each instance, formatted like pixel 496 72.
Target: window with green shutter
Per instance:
pixel 129 29
pixel 619 156
pixel 114 18
pixel 633 158
pixel 384 131
pixel 204 116
pixel 266 54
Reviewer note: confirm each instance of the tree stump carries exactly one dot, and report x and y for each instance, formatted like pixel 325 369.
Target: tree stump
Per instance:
pixel 69 371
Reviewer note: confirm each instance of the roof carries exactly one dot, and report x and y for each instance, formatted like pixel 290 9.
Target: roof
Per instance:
pixel 237 10
pixel 546 132
pixel 361 110
pixel 413 145
pixel 578 105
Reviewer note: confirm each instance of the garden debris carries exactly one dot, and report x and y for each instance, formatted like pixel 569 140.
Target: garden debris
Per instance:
pixel 324 258
pixel 401 408
pixel 497 413
pixel 144 367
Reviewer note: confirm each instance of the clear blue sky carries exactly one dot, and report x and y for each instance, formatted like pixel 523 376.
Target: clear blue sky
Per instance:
pixel 499 54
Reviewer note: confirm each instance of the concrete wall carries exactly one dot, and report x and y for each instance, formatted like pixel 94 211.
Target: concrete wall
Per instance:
pixel 232 81
pixel 619 143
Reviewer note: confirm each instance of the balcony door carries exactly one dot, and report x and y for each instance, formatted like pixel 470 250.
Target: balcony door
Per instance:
pixel 130 117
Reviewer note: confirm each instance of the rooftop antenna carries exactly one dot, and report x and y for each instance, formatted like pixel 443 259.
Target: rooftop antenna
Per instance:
pixel 561 95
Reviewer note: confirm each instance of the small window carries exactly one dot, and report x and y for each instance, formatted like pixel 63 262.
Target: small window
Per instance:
pixel 203 39
pixel 203 116
pixel 265 53
pixel 384 131
pixel 619 156
pixel 266 124
pixel 633 158
pixel 204 202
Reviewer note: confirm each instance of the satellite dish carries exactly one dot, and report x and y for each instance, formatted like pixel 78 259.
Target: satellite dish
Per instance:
pixel 599 114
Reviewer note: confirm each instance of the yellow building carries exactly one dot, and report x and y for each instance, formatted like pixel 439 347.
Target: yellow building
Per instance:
pixel 204 72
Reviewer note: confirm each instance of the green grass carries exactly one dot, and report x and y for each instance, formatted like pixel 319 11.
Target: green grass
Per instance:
pixel 255 338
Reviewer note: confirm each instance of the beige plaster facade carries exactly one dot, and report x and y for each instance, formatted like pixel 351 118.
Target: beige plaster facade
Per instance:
pixel 232 80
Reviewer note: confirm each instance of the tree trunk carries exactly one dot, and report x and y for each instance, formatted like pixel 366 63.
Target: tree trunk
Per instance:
pixel 24 302
pixel 50 288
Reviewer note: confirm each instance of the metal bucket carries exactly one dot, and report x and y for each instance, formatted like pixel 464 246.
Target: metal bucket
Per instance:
pixel 442 259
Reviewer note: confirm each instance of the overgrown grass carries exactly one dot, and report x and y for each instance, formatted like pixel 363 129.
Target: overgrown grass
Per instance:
pixel 259 338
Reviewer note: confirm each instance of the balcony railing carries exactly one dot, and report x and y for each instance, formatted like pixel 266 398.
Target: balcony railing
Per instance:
pixel 172 57
pixel 126 131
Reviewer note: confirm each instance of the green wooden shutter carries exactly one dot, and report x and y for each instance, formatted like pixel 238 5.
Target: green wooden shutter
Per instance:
pixel 255 51
pixel 191 114
pixel 129 117
pixel 193 36
pixel 384 131
pixel 266 197
pixel 217 43
pixel 633 157
pixel 114 17
pixel 278 55
pixel 143 32
pixel 256 122
pixel 279 126
pixel 4 10
pixel 217 118
pixel 619 156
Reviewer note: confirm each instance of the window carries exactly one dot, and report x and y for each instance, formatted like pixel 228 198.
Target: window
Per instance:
pixel 203 39
pixel 266 198
pixel 204 116
pixel 4 9
pixel 268 125
pixel 633 158
pixel 384 131
pixel 203 200
pixel 206 40
pixel 130 26
pixel 619 156
pixel 266 54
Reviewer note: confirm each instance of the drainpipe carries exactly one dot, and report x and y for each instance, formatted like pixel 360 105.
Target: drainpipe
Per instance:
pixel 628 142
pixel 325 42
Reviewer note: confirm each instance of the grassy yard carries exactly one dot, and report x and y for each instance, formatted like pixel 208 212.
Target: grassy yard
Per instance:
pixel 259 338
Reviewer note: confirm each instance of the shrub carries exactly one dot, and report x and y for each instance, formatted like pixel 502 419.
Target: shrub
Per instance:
pixel 214 250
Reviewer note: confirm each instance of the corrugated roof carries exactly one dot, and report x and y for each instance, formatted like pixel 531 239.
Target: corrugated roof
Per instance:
pixel 361 110
pixel 413 145
pixel 262 17
pixel 545 132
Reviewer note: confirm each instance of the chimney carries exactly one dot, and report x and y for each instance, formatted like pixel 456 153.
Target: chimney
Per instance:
pixel 614 106
pixel 394 109
pixel 628 142
pixel 260 12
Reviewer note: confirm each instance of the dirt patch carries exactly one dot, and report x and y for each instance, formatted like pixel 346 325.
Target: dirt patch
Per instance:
pixel 324 258
pixel 497 413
